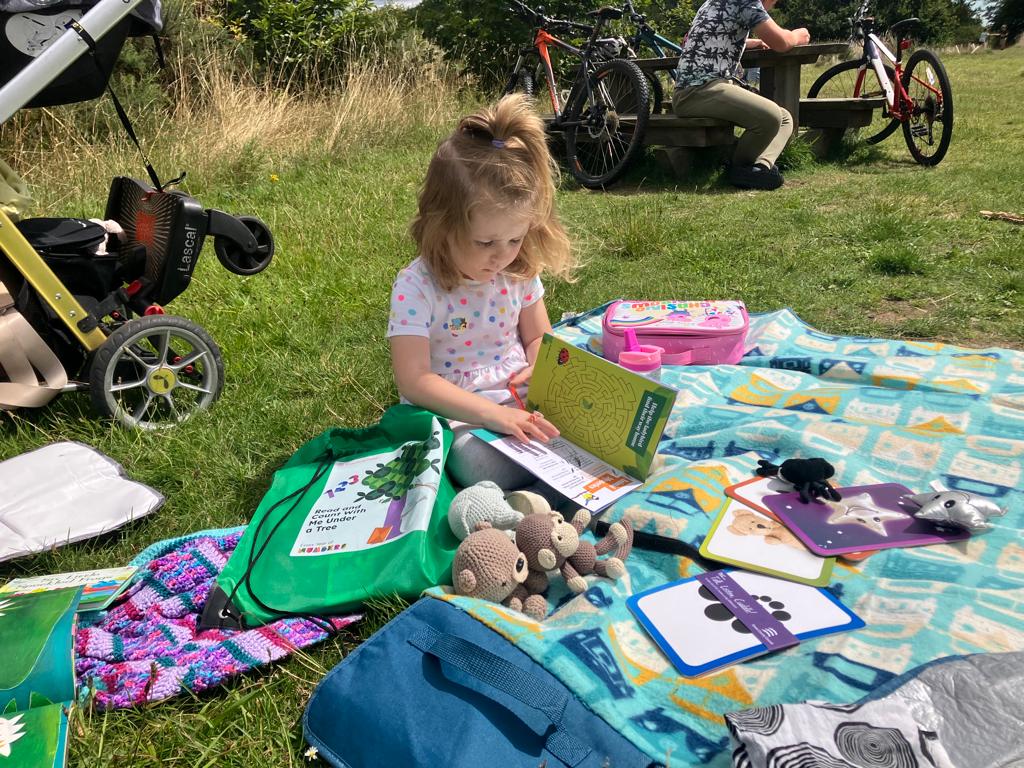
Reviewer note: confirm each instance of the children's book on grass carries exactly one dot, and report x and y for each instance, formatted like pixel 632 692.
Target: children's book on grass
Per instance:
pixel 610 421
pixel 37 678
pixel 723 617
pixel 99 588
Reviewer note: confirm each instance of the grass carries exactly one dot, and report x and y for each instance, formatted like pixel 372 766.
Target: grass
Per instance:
pixel 867 244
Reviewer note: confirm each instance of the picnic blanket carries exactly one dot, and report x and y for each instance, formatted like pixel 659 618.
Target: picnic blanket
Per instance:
pixel 879 411
pixel 147 647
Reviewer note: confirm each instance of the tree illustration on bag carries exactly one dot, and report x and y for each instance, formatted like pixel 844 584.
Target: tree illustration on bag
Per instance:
pixel 394 479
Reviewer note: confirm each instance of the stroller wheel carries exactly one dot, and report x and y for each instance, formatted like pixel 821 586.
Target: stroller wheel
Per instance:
pixel 235 259
pixel 154 372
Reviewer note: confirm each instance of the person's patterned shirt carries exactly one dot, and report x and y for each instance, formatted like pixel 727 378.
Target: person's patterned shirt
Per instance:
pixel 716 39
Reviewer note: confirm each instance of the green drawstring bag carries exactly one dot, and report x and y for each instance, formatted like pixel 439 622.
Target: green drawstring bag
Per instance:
pixel 354 514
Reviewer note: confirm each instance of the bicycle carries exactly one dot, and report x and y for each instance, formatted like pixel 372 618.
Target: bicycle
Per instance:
pixel 604 115
pixel 645 36
pixel 919 97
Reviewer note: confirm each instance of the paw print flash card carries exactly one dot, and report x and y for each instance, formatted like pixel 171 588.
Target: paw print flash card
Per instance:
pixel 700 632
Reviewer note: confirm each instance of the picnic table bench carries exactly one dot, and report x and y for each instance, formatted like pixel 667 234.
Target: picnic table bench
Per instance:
pixel 780 82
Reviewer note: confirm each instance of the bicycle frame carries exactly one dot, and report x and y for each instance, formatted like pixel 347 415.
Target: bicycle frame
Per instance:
pixel 896 95
pixel 540 44
pixel 542 40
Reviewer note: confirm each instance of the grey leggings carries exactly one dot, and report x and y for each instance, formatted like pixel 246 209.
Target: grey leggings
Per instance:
pixel 768 126
pixel 472 460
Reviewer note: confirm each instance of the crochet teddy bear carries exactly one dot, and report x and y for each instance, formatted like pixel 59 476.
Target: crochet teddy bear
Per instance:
pixel 489 566
pixel 550 543
pixel 483 502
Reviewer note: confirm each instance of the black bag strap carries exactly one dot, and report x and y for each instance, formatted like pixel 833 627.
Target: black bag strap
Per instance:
pixel 121 114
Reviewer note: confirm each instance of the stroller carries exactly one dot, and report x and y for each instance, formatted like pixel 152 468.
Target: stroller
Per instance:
pixel 82 303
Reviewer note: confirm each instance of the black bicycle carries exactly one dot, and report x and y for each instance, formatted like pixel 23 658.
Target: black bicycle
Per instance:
pixel 604 114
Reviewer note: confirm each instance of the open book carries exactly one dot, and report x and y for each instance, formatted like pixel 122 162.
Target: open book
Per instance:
pixel 37 677
pixel 610 420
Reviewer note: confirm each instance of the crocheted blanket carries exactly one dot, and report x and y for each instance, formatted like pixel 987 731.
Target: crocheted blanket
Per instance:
pixel 879 411
pixel 146 648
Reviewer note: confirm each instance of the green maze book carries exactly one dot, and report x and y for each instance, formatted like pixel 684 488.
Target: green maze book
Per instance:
pixel 610 420
pixel 37 678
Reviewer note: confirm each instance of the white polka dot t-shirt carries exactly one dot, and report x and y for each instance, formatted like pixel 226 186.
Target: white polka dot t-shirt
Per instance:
pixel 473 330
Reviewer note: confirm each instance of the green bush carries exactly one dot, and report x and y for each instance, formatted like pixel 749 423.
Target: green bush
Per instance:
pixel 303 41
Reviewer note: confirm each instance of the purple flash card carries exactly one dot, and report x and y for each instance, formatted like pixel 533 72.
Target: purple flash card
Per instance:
pixel 867 517
pixel 745 607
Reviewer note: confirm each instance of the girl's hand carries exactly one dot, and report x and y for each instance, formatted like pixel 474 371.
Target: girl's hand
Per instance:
pixel 521 378
pixel 519 424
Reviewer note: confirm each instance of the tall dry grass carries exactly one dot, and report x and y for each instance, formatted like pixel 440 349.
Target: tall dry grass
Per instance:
pixel 218 117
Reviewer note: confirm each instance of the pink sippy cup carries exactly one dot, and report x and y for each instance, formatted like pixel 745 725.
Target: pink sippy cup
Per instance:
pixel 642 358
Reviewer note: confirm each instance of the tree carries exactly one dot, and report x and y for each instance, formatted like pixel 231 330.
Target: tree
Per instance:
pixel 942 21
pixel 1010 13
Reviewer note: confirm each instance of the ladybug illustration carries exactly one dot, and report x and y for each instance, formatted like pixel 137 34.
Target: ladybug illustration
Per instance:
pixel 563 356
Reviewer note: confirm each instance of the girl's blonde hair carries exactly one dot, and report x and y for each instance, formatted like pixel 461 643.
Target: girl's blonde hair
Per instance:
pixel 497 157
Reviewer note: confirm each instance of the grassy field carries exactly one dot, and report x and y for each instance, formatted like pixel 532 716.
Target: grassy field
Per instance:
pixel 872 244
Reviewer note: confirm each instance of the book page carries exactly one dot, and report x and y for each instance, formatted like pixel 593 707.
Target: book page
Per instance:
pixel 615 414
pixel 570 470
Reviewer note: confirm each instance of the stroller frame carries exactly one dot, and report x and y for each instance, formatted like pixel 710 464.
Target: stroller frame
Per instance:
pixel 153 354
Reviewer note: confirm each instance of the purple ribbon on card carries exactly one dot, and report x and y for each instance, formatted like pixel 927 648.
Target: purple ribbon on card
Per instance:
pixel 748 609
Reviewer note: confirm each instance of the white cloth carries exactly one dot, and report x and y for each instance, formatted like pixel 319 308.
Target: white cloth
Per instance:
pixel 473 330
pixel 62 493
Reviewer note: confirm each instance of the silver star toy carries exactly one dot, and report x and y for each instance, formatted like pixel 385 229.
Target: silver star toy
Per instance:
pixel 861 510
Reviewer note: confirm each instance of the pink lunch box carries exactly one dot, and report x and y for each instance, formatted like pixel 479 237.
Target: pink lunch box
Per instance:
pixel 690 332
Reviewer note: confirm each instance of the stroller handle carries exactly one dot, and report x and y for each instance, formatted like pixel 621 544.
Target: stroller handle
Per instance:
pixel 34 78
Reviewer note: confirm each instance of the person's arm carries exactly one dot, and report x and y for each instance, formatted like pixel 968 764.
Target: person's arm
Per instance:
pixel 533 324
pixel 410 360
pixel 778 39
pixel 755 44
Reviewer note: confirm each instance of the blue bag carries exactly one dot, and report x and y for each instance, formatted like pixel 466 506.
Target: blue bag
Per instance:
pixel 435 687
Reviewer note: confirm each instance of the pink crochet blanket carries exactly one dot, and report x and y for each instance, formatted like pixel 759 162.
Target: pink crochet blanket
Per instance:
pixel 146 648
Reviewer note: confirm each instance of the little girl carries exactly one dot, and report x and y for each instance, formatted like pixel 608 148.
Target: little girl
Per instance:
pixel 468 315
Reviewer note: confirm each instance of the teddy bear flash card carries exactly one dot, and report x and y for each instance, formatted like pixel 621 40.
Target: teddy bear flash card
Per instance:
pixel 867 517
pixel 744 537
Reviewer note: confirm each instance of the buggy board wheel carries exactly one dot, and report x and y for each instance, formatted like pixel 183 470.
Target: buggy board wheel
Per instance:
pixel 235 259
pixel 154 372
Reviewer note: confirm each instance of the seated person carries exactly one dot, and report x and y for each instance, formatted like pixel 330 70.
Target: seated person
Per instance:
pixel 707 86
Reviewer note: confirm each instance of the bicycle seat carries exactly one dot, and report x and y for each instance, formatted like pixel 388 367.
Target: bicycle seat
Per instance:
pixel 898 28
pixel 606 13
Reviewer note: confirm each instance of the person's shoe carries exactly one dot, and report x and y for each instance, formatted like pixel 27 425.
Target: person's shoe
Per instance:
pixel 755 177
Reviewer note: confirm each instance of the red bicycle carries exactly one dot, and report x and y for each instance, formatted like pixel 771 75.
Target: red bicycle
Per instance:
pixel 919 97
pixel 604 114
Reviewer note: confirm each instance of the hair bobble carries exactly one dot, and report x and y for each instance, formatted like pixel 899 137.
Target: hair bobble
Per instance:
pixel 499 143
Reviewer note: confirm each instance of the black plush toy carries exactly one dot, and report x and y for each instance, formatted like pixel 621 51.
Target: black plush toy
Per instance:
pixel 807 476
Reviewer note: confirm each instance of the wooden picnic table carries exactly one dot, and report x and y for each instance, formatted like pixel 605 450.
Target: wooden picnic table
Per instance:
pixel 780 72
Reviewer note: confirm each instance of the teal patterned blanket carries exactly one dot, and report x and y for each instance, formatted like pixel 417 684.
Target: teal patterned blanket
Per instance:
pixel 880 411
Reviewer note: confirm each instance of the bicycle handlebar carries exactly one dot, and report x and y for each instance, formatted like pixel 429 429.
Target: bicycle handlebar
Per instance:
pixel 540 20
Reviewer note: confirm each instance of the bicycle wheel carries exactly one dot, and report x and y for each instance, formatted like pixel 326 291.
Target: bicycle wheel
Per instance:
pixel 521 80
pixel 929 127
pixel 840 82
pixel 606 122
pixel 657 91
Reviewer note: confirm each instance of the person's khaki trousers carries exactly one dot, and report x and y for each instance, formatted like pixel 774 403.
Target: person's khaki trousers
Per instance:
pixel 768 126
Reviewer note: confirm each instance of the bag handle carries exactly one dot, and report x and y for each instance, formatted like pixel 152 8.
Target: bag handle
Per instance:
pixel 679 358
pixel 514 681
